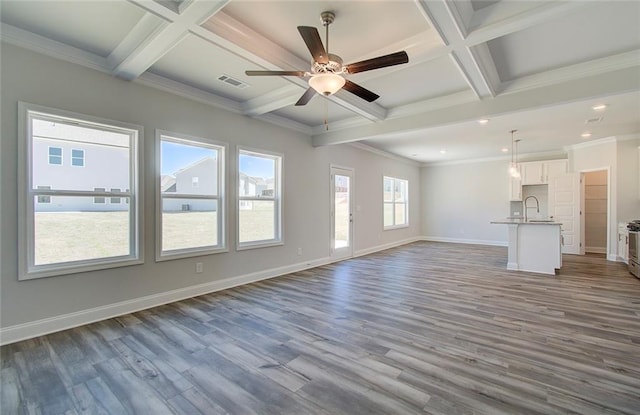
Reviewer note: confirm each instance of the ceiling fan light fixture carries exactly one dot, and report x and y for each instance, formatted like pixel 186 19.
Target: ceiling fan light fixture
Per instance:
pixel 326 83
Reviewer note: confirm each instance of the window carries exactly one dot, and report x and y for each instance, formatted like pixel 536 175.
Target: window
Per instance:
pixel 191 192
pixel 396 202
pixel 77 158
pixel 114 200
pixel 80 232
pixel 99 199
pixel 259 199
pixel 55 156
pixel 44 198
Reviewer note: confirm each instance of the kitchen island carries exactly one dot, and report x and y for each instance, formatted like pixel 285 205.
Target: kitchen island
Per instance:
pixel 534 245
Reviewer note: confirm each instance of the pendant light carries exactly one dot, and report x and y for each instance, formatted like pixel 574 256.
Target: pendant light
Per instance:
pixel 513 167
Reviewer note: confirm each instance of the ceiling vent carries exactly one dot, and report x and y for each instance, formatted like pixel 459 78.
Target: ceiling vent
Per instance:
pixel 232 81
pixel 595 120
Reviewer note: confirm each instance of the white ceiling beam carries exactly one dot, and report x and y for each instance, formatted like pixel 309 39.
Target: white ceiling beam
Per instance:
pixel 449 20
pixel 604 84
pixel 146 44
pixel 272 101
pixel 234 36
pixel 508 17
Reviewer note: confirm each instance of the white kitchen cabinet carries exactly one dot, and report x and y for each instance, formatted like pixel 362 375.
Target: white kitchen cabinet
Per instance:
pixel 553 168
pixel 623 242
pixel 539 172
pixel 532 172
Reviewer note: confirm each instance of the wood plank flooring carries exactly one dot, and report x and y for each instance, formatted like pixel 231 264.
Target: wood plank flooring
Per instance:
pixel 425 328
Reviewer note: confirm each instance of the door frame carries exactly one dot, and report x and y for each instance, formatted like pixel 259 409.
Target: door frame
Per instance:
pixel 582 216
pixel 348 252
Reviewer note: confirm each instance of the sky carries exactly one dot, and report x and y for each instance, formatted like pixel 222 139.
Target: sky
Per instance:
pixel 177 156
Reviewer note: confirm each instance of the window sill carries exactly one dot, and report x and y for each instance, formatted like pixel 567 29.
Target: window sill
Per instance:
pixel 44 271
pixel 188 253
pixel 391 228
pixel 255 245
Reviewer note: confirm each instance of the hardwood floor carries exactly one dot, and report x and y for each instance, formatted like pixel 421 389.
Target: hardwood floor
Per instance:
pixel 425 328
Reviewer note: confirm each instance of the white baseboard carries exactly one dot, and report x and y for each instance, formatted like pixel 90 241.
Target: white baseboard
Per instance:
pixel 390 245
pixel 595 249
pixel 18 332
pixel 464 241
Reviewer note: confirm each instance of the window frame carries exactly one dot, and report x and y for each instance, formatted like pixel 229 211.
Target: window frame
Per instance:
pixel 221 198
pixel 278 240
pixel 394 203
pixel 27 195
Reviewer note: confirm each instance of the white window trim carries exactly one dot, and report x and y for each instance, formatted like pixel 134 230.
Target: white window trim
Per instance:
pixel 26 267
pixel 221 198
pixel 394 203
pixel 277 198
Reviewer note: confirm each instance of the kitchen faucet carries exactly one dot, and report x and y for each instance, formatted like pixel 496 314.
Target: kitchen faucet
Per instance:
pixel 525 206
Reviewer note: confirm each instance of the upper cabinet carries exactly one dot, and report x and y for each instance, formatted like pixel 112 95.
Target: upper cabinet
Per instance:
pixel 539 172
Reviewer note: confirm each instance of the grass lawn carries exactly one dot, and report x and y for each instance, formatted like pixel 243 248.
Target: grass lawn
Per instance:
pixel 74 236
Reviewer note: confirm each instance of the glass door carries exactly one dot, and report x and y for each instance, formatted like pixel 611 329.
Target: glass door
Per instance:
pixel 341 213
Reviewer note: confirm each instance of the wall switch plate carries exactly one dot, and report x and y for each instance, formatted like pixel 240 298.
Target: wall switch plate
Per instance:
pixel 199 267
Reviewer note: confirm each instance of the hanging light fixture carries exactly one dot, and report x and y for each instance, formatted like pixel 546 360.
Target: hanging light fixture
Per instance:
pixel 513 167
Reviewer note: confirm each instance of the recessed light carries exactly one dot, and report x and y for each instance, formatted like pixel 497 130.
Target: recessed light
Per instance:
pixel 585 135
pixel 443 151
pixel 599 107
pixel 483 121
pixel 504 150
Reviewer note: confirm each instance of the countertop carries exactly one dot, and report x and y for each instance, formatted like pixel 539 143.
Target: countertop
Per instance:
pixel 521 221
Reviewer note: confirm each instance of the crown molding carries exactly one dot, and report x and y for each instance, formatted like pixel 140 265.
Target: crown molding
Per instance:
pixel 592 143
pixel 186 91
pixel 40 44
pixel 284 123
pixel 385 154
pixel 524 158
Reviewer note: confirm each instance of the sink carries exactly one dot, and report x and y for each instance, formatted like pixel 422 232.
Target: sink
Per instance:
pixel 541 220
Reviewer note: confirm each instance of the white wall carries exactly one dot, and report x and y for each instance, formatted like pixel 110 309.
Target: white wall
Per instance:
pixel 629 179
pixel 460 200
pixel 33 78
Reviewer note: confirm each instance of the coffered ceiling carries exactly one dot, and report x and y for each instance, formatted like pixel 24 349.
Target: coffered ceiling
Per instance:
pixel 534 66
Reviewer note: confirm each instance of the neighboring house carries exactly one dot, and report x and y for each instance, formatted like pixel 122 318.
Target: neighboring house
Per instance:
pixel 78 165
pixel 198 178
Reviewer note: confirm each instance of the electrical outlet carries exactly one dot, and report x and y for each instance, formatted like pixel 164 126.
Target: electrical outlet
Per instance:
pixel 199 267
pixel 299 251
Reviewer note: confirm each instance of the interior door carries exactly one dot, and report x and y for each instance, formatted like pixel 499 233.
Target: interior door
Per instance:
pixel 341 212
pixel 564 206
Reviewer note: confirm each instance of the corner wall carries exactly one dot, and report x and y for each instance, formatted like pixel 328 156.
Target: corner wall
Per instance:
pixel 33 307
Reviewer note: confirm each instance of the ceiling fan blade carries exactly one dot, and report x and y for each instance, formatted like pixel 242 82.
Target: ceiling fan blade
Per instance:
pixel 274 73
pixel 306 97
pixel 312 39
pixel 360 91
pixel 379 62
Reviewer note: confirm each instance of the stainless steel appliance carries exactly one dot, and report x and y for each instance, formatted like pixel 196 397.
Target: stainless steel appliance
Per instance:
pixel 634 247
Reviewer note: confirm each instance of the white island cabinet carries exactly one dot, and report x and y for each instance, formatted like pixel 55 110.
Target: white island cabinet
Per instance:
pixel 533 246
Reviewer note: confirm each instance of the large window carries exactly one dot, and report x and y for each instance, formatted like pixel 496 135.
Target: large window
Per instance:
pixel 259 199
pixel 396 202
pixel 191 188
pixel 65 224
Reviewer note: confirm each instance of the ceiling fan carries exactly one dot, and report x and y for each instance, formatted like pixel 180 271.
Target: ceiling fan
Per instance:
pixel 327 71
